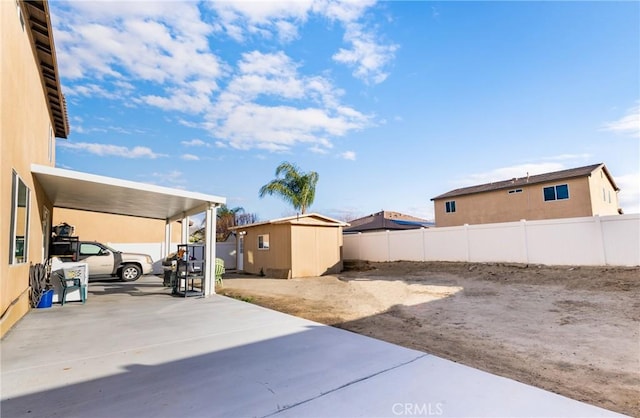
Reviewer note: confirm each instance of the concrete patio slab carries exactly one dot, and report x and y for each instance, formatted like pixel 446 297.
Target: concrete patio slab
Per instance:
pixel 133 350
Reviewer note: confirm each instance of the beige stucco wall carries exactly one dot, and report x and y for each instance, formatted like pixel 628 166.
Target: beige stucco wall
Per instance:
pixel 25 135
pixel 305 248
pixel 603 203
pixel 104 227
pixel 500 206
pixel 316 250
pixel 277 257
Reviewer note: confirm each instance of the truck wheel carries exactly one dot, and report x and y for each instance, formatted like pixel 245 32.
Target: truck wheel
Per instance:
pixel 130 273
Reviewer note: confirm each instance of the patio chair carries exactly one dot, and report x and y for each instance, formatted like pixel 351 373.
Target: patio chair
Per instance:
pixel 72 280
pixel 219 270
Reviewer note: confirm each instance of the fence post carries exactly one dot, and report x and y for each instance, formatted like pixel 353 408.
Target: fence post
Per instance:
pixel 388 247
pixel 525 243
pixel 359 245
pixel 603 248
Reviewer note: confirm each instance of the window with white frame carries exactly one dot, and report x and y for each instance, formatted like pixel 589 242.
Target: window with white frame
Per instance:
pixel 450 206
pixel 263 242
pixel 559 192
pixel 19 235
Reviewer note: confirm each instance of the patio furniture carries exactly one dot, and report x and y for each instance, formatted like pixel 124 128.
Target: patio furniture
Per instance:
pixel 219 270
pixel 72 279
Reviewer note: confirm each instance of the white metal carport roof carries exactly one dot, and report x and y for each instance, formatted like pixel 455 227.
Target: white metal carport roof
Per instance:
pixel 77 190
pixel 83 191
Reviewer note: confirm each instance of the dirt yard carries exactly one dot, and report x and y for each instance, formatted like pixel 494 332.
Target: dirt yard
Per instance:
pixel 571 330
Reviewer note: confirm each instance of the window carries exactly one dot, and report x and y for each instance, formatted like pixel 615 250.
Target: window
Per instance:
pixel 604 194
pixel 559 192
pixel 515 191
pixel 19 240
pixel 90 249
pixel 450 206
pixel 263 242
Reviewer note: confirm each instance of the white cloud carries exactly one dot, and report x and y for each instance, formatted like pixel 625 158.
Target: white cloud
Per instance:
pixel 120 43
pixel 629 124
pixel 348 155
pixel 239 19
pixel 107 150
pixel 367 56
pixel 194 143
pixel 173 178
pixel 242 120
pixel 190 157
pixel 161 54
pixel 629 195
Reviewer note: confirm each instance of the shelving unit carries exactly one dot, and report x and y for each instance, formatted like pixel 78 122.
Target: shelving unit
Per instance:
pixel 189 280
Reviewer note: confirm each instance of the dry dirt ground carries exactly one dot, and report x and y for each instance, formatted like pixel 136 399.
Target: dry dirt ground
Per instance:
pixel 571 330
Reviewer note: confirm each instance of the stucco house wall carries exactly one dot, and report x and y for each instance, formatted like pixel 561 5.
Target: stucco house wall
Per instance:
pixel 315 250
pixel 27 134
pixel 299 246
pixel 105 227
pixel 526 201
pixel 276 257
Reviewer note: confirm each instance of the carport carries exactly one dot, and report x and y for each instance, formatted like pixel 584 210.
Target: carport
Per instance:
pixel 83 191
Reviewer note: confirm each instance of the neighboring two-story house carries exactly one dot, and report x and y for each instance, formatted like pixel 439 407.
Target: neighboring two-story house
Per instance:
pixel 576 192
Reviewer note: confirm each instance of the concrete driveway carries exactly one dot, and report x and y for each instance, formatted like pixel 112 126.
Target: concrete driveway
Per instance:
pixel 133 350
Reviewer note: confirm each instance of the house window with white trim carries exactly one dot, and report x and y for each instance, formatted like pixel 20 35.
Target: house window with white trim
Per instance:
pixel 559 192
pixel 450 206
pixel 19 235
pixel 263 242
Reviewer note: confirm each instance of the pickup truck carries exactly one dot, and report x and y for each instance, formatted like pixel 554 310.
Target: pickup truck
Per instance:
pixel 103 260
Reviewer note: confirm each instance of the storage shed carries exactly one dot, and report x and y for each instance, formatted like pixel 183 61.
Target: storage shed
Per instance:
pixel 297 246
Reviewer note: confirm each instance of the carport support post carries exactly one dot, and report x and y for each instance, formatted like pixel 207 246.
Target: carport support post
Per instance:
pixel 210 246
pixel 167 239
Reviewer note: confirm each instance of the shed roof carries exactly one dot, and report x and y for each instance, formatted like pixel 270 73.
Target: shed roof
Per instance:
pixel 305 219
pixel 525 181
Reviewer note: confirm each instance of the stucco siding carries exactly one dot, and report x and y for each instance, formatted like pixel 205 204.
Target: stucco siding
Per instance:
pixel 528 203
pixel 104 227
pixel 315 250
pixel 278 256
pixel 26 134
pixel 604 198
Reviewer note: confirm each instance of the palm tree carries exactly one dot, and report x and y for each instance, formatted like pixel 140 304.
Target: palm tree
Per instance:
pixel 226 219
pixel 294 187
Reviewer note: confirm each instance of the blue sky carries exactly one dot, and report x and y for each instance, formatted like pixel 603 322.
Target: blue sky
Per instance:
pixel 392 103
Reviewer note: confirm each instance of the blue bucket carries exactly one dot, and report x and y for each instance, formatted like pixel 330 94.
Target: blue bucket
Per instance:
pixel 47 299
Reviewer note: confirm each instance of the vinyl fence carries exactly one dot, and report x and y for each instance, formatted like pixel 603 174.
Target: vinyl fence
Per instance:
pixel 590 241
pixel 224 250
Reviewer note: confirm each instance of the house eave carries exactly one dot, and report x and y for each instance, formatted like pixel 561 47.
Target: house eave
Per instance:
pixel 38 20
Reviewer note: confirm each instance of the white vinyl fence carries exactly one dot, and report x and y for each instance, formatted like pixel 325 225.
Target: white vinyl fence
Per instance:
pixel 590 241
